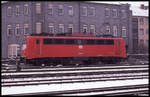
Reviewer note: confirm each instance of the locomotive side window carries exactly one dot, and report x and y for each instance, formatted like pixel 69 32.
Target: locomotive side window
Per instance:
pixel 117 42
pixel 109 42
pixel 105 42
pixel 37 41
pixel 78 41
pixel 47 41
pixel 69 41
pixel 100 41
pixel 81 41
pixel 58 41
pixel 90 41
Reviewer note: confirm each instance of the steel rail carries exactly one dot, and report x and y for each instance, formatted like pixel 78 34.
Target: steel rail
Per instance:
pixel 72 77
pixel 77 71
pixel 70 81
pixel 77 68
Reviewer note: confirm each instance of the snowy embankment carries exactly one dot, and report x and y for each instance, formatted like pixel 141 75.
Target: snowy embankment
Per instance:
pixel 70 86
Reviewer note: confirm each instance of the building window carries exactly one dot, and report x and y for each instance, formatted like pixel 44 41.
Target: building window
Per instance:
pixel 114 12
pixel 50 9
pixel 84 29
pixel 92 29
pixel 70 10
pixel 26 29
pixel 141 31
pixel 9 11
pixel 141 42
pixel 115 30
pixel 38 8
pixel 123 13
pixel 70 28
pixel 107 12
pixel 51 28
pixel 141 21
pixel 147 20
pixel 17 30
pixel 26 9
pixel 38 27
pixel 107 29
pixel 124 31
pixel 92 11
pixel 61 28
pixel 147 30
pixel 60 10
pixel 13 50
pixel 147 42
pixel 9 30
pixel 17 10
pixel 84 11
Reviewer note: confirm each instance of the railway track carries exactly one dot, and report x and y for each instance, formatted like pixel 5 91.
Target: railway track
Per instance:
pixel 80 74
pixel 71 79
pixel 75 71
pixel 59 76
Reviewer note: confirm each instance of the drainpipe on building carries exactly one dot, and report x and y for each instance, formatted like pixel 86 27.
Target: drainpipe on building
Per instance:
pixel 79 17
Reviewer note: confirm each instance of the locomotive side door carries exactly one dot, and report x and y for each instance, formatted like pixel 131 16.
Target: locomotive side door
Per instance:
pixel 117 48
pixel 37 47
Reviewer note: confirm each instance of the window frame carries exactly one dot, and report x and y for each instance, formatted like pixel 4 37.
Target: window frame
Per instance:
pixel 26 26
pixel 51 25
pixel 9 11
pixel 142 29
pixel 114 12
pixel 17 30
pixel 107 29
pixel 9 29
pixel 38 8
pixel 60 41
pixel 92 27
pixel 17 9
pixel 70 12
pixel 124 29
pixel 26 9
pixel 93 10
pixel 84 27
pixel 70 26
pixel 60 7
pixel 84 8
pixel 107 12
pixel 38 27
pixel 61 26
pixel 115 30
pixel 50 7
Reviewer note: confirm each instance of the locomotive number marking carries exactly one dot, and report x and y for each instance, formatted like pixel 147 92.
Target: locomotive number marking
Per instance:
pixel 80 46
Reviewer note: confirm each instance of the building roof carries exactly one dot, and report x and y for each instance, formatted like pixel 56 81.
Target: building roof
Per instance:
pixel 134 6
pixel 137 11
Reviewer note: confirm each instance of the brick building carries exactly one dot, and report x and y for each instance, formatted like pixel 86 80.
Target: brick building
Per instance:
pixel 140 23
pixel 24 18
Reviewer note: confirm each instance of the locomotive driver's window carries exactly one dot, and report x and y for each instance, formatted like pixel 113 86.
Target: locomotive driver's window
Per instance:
pixel 37 41
pixel 117 42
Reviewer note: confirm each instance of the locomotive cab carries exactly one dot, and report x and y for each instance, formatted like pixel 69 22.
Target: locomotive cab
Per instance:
pixel 24 46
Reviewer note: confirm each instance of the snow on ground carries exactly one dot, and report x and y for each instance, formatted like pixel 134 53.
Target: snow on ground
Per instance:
pixel 69 86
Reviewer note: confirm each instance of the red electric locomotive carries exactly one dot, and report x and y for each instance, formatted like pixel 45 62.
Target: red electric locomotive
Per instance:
pixel 72 49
